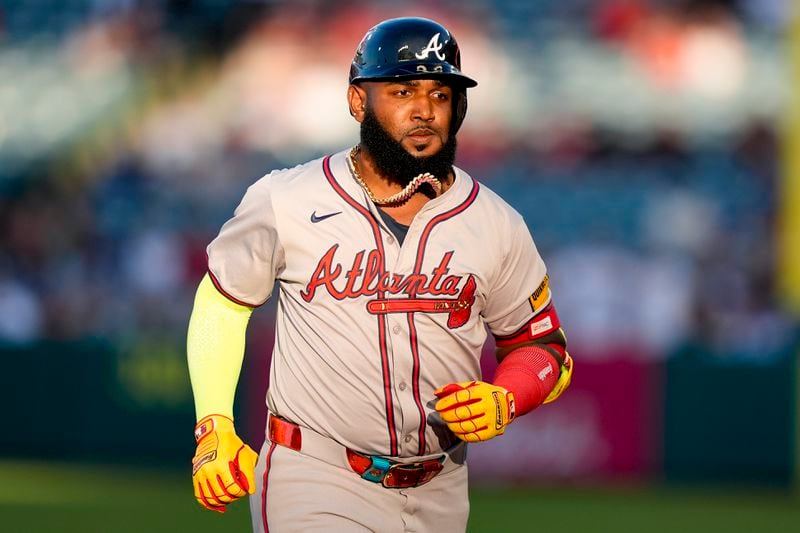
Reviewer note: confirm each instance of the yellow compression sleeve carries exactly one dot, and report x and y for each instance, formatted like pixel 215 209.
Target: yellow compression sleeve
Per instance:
pixel 215 349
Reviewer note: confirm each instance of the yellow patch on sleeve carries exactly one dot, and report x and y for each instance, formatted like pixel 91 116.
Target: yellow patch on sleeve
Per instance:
pixel 541 294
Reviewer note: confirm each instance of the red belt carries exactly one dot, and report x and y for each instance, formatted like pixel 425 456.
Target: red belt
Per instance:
pixel 388 472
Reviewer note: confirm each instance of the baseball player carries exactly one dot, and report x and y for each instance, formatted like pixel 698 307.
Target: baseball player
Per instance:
pixel 391 265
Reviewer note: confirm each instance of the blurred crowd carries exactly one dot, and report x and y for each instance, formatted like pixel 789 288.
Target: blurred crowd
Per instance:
pixel 638 137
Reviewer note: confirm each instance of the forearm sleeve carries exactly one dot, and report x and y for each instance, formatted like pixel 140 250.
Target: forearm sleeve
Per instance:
pixel 531 373
pixel 215 349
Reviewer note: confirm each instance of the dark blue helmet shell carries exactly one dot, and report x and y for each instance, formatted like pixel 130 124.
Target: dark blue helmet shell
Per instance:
pixel 407 48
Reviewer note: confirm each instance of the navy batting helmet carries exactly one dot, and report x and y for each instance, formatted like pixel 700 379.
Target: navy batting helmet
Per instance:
pixel 412 47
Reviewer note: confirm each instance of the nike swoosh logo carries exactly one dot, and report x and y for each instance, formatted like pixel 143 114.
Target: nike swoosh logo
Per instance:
pixel 320 218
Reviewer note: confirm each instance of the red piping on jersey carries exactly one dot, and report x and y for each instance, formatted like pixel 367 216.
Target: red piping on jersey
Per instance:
pixel 412 330
pixel 423 241
pixel 223 292
pixel 268 459
pixel 376 231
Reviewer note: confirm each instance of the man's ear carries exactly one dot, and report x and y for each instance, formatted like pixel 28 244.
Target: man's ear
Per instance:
pixel 357 101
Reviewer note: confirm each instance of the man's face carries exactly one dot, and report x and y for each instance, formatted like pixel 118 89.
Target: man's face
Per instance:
pixel 415 113
pixel 405 128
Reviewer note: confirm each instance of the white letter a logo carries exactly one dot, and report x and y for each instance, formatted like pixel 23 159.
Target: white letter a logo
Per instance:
pixel 433 46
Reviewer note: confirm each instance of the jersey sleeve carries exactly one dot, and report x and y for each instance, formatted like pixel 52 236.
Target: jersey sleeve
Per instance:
pixel 246 257
pixel 519 291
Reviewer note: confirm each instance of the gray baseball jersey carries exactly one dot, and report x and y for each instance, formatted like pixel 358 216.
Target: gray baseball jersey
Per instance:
pixel 367 329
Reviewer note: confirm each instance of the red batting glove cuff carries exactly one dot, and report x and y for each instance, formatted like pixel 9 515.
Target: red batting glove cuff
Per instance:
pixel 530 372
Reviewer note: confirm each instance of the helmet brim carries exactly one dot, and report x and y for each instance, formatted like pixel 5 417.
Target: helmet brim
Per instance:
pixel 441 71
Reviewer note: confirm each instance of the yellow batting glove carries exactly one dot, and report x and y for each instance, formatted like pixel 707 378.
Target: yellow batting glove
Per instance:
pixel 223 466
pixel 475 410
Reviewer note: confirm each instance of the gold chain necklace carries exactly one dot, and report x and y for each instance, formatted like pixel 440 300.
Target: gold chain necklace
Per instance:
pixel 399 197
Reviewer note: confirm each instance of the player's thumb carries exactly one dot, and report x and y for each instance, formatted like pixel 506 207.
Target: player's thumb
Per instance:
pixel 243 468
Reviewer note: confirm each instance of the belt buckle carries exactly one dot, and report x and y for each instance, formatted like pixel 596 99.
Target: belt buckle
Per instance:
pixel 378 470
pixel 408 475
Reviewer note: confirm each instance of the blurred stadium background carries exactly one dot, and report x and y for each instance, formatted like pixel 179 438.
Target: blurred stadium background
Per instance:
pixel 652 145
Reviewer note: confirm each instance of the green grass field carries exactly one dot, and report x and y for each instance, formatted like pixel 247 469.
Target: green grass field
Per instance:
pixel 46 497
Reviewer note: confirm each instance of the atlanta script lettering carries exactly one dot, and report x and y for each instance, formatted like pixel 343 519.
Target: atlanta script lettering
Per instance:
pixel 366 278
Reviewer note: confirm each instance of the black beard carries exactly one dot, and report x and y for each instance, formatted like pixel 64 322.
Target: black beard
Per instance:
pixel 394 163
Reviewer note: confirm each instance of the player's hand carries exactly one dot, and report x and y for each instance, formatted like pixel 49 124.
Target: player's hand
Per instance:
pixel 475 410
pixel 223 466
